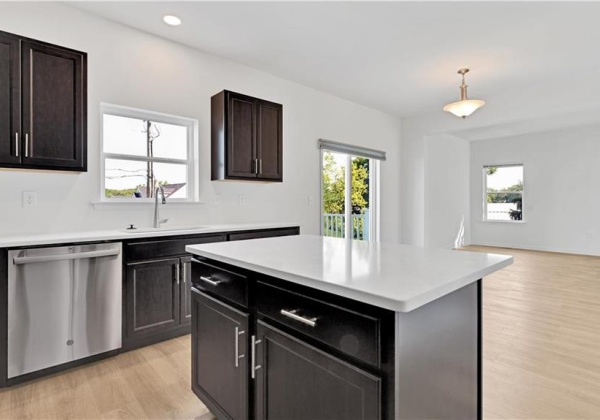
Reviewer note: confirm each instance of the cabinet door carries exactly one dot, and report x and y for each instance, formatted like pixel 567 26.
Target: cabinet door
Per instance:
pixel 53 108
pixel 152 296
pixel 219 356
pixel 10 113
pixel 269 140
pixel 185 303
pixel 296 381
pixel 241 148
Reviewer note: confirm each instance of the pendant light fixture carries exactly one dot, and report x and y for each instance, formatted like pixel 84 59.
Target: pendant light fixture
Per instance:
pixel 465 106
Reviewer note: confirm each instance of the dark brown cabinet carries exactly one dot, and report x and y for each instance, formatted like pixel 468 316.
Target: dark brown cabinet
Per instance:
pixel 185 316
pixel 157 289
pixel 303 354
pixel 10 99
pixel 153 290
pixel 220 356
pixel 43 121
pixel 247 138
pixel 296 381
pixel 158 276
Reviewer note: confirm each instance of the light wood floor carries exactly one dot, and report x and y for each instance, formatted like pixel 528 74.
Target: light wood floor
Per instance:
pixel 148 383
pixel 541 356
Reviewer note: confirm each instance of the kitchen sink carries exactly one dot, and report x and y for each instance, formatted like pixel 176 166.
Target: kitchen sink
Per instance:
pixel 164 229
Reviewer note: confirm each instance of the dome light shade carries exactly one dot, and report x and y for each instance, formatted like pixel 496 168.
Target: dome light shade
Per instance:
pixel 465 106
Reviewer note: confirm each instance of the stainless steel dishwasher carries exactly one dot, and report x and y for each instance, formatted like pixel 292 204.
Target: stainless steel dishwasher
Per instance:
pixel 64 304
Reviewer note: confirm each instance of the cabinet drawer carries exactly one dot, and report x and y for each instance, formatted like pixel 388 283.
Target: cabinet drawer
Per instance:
pixel 353 333
pixel 166 247
pixel 263 234
pixel 220 282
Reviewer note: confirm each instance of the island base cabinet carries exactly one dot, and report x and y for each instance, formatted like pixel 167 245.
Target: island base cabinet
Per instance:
pixel 220 356
pixel 295 381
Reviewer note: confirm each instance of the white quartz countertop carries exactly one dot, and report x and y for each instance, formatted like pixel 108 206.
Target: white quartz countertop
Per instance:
pixel 121 234
pixel 392 276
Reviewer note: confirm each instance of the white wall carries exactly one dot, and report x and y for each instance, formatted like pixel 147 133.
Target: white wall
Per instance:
pixel 503 113
pixel 561 205
pixel 132 68
pixel 447 198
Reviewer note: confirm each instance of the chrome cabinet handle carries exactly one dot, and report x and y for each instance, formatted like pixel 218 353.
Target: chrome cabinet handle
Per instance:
pixel 260 166
pixel 253 366
pixel 26 145
pixel 17 144
pixel 211 281
pixel 61 257
pixel 238 356
pixel 293 315
pixel 184 276
pixel 177 273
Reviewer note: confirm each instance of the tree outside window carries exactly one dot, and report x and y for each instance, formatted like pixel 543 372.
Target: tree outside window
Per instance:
pixel 503 192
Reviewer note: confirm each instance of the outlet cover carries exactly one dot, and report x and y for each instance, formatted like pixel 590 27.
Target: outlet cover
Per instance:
pixel 29 199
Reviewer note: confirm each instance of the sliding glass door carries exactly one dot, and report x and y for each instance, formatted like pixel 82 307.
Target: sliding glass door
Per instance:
pixel 348 195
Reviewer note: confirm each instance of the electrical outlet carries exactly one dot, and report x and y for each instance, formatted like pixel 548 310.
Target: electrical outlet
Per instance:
pixel 29 199
pixel 241 200
pixel 310 200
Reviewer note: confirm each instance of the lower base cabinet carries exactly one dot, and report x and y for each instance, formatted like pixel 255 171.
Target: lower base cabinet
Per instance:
pixel 154 293
pixel 296 381
pixel 220 356
pixel 157 280
pixel 244 367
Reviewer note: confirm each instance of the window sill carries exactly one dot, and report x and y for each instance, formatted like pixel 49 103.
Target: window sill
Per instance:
pixel 132 205
pixel 514 222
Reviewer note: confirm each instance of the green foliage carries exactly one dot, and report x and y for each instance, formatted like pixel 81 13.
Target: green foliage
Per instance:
pixel 506 195
pixel 491 170
pixel 128 192
pixel 334 184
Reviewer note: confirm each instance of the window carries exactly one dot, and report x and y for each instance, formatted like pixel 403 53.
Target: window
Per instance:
pixel 503 192
pixel 142 150
pixel 349 191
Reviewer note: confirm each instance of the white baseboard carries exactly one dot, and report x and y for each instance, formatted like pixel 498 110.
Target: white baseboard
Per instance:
pixel 533 248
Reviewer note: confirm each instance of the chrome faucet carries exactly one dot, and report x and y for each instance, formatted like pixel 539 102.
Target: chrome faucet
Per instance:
pixel 157 219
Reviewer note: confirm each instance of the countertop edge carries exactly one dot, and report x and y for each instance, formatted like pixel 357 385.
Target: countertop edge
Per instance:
pixel 361 296
pixel 118 235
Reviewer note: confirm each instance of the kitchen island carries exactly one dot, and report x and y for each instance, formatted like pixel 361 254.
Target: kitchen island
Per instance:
pixel 311 327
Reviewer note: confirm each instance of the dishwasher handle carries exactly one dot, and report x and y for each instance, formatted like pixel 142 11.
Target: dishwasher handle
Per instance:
pixel 61 257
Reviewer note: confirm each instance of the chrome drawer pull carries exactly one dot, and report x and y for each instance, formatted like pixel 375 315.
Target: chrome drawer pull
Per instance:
pixel 210 281
pixel 292 314
pixel 238 356
pixel 253 366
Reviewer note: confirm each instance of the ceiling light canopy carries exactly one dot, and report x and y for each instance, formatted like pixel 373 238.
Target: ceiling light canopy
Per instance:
pixel 172 20
pixel 465 106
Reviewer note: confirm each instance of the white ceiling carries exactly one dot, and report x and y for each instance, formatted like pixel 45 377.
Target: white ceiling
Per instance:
pixel 400 58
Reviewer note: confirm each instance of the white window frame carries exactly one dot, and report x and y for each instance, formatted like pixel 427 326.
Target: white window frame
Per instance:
pixel 191 161
pixel 485 193
pixel 374 173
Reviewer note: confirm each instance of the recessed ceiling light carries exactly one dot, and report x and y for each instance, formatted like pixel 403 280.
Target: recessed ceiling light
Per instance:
pixel 172 20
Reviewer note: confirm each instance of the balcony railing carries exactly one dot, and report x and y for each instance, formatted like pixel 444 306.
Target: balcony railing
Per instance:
pixel 335 225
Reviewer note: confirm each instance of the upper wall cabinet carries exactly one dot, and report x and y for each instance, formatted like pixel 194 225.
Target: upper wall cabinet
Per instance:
pixel 247 138
pixel 43 105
